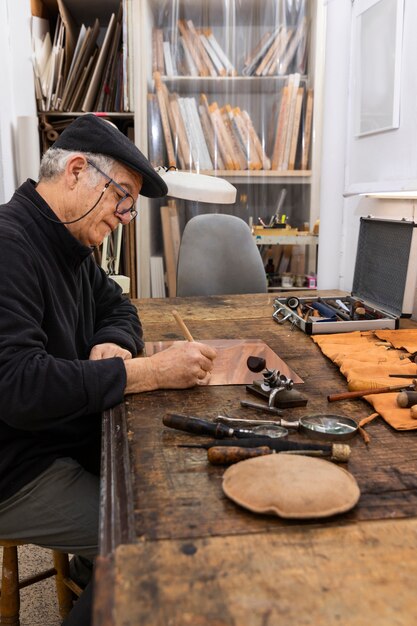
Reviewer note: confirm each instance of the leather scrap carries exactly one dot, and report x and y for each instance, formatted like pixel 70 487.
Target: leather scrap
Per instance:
pixel 365 362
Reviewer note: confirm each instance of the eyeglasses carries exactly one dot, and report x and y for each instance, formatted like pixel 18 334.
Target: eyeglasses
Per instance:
pixel 126 203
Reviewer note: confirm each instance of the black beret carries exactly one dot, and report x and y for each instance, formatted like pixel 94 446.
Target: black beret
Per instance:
pixel 89 133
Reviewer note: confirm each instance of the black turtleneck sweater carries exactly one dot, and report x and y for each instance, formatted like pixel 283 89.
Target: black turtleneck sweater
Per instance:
pixel 55 305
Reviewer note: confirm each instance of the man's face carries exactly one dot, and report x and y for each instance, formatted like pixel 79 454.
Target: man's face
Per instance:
pixel 103 219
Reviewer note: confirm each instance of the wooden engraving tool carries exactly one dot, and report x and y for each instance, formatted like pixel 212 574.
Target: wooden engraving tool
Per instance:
pixel 232 450
pixel 185 331
pixel 351 395
pixel 219 455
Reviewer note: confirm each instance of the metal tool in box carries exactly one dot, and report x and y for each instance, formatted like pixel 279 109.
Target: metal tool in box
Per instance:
pixel 383 285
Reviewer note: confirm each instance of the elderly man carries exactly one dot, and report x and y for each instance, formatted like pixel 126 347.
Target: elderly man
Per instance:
pixel 68 337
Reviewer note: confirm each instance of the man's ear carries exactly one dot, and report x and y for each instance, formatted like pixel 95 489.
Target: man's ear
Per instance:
pixel 75 165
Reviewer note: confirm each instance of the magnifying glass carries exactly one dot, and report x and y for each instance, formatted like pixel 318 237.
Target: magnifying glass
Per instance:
pixel 330 427
pixel 270 430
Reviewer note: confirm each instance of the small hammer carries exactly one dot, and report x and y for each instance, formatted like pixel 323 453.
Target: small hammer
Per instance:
pixel 407 399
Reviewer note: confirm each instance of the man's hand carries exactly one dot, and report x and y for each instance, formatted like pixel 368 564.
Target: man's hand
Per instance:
pixel 182 365
pixel 107 351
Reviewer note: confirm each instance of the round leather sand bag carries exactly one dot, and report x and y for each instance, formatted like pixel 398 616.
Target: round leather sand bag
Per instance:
pixel 298 487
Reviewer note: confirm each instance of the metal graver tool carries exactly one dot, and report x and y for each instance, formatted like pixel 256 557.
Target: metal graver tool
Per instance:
pixel 329 427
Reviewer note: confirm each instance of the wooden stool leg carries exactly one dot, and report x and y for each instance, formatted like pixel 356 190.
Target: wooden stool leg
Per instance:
pixel 64 593
pixel 9 598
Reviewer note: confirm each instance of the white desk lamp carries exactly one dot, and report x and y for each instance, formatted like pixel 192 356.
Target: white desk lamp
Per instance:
pixel 182 185
pixel 197 187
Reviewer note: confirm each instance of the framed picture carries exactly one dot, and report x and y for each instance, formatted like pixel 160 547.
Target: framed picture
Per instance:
pixel 378 30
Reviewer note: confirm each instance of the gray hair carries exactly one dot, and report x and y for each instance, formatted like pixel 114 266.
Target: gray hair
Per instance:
pixel 54 161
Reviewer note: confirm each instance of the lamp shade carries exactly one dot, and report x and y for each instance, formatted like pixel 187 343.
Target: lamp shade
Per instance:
pixel 198 187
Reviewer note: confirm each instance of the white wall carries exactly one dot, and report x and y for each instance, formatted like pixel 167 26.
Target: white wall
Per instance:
pixel 17 93
pixel 335 100
pixel 385 160
pixel 7 173
pixel 340 216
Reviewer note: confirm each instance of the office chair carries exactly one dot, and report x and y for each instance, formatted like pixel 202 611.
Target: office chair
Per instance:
pixel 218 255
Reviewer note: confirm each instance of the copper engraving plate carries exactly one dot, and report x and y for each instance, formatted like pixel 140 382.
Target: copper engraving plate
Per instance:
pixel 230 365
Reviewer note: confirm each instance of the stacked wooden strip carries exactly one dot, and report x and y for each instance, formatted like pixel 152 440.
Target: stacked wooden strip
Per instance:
pixel 206 136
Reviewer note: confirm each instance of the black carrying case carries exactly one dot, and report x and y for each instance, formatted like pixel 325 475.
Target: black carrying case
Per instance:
pixel 383 285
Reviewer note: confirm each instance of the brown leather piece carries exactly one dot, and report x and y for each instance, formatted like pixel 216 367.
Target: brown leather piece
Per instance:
pixel 367 359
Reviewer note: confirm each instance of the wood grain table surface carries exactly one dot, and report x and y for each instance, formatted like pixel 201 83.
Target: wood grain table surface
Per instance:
pixel 175 551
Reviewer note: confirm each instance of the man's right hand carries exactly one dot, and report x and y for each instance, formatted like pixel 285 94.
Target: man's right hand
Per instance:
pixel 182 365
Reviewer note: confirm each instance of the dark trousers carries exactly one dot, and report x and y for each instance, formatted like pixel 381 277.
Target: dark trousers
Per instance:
pixel 59 510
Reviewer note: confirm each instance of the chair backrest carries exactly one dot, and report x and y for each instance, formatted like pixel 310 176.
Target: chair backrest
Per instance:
pixel 218 255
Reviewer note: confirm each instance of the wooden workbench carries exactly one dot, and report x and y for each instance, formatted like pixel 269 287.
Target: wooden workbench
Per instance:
pixel 175 551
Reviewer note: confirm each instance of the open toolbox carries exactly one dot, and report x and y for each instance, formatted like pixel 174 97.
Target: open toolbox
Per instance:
pixel 384 285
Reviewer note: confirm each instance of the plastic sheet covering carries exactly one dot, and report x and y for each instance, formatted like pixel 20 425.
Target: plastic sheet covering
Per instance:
pixel 230 93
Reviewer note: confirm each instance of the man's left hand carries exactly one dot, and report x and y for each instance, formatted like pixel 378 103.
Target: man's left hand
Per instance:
pixel 109 350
